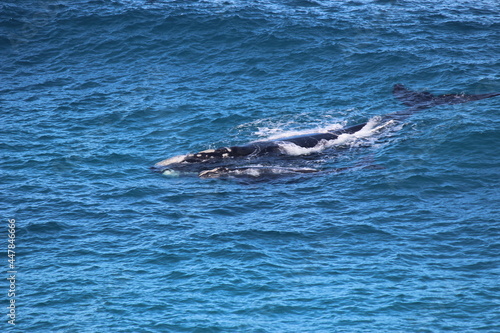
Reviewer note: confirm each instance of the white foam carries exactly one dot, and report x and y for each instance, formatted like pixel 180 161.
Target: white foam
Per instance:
pixel 171 173
pixel 369 131
pixel 253 171
pixel 368 134
pixel 276 133
pixel 292 149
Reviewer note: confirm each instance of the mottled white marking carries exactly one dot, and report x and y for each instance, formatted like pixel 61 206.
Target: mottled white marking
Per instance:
pixel 208 173
pixel 171 160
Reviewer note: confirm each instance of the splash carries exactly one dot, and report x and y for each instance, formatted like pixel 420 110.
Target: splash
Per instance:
pixel 254 171
pixel 276 133
pixel 368 135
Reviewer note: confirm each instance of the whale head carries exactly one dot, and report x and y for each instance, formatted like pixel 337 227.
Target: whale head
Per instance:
pixel 193 162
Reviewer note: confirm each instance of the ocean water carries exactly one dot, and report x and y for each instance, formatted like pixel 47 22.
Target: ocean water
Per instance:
pixel 93 93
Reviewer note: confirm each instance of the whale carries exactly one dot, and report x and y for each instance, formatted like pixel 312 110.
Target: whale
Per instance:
pixel 226 157
pixel 238 160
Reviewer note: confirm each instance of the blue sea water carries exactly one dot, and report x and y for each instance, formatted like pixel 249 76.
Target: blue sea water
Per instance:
pixel 92 93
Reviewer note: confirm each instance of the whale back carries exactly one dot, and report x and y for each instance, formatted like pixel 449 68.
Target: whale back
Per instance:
pixel 424 99
pixel 412 98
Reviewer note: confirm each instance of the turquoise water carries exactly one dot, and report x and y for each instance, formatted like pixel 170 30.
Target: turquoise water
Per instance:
pixel 92 93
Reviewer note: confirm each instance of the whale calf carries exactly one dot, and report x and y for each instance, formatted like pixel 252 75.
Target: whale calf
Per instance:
pixel 231 160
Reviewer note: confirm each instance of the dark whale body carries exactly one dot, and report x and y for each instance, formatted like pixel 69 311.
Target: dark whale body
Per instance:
pixel 425 100
pixel 228 159
pixel 230 156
